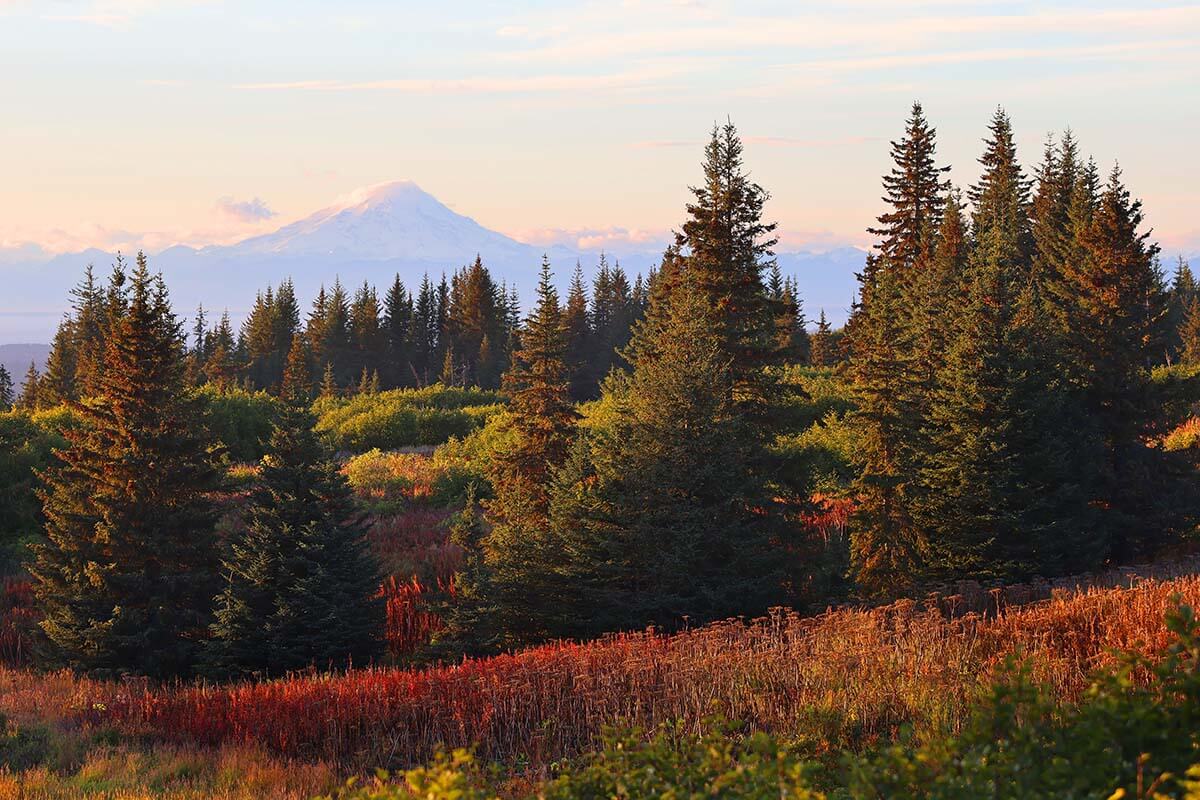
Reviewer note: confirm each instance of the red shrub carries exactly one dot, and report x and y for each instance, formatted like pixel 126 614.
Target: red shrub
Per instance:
pixel 18 621
pixel 410 626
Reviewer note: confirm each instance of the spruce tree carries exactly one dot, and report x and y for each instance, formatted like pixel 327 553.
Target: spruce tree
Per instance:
pixel 475 315
pixel 541 419
pixel 1189 350
pixel 30 399
pixel 264 362
pixel 1116 328
pixel 397 317
pixel 915 191
pixel 301 586
pixel 579 340
pixel 368 339
pixel 423 332
pixel 663 518
pixel 329 385
pixel 884 542
pixel 58 382
pixel 1000 489
pixel 6 389
pixel 126 576
pixel 297 375
pixel 91 330
pixel 728 245
pixel 328 333
pixel 821 353
pixel 221 366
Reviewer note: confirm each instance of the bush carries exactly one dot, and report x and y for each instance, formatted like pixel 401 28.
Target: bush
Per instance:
pixel 27 445
pixel 825 452
pixel 238 420
pixel 404 417
pixel 670 764
pixel 465 460
pixel 1136 725
pixel 1185 437
pixel 387 482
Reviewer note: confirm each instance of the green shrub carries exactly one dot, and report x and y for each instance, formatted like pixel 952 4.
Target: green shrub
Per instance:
pixel 238 420
pixel 27 445
pixel 1137 723
pixel 466 460
pixel 404 417
pixel 825 452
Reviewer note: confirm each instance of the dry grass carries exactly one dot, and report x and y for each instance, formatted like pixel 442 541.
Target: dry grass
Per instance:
pixel 172 773
pixel 842 679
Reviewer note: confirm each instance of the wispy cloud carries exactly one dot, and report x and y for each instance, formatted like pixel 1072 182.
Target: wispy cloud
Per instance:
pixel 249 211
pixel 111 13
pixel 658 144
pixel 623 30
pixel 597 239
pixel 535 84
pixel 788 141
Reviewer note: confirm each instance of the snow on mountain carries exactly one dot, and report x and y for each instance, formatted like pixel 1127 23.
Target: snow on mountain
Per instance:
pixel 370 235
pixel 396 220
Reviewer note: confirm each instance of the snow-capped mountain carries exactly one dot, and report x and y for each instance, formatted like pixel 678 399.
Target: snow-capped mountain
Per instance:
pixel 396 220
pixel 369 235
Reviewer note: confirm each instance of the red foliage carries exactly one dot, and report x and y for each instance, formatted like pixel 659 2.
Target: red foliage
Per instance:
pixel 873 670
pixel 416 543
pixel 18 620
pixel 831 516
pixel 410 625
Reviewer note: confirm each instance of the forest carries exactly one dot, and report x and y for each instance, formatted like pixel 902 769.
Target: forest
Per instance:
pixel 662 535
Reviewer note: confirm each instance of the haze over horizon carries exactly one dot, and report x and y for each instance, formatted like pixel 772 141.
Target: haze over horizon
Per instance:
pixel 156 122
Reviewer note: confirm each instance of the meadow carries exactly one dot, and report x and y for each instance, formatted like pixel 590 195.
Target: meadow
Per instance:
pixel 848 679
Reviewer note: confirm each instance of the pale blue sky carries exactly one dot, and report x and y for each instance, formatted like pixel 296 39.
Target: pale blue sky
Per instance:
pixel 156 121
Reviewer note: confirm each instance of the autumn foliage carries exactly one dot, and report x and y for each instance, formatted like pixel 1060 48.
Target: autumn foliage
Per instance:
pixel 845 678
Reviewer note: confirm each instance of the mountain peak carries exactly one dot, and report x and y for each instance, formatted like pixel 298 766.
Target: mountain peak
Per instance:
pixel 384 193
pixel 392 220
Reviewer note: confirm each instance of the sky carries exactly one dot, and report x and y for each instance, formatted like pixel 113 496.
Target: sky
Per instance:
pixel 153 122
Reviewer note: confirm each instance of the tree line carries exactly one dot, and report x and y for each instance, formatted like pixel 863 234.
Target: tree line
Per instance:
pixel 1001 355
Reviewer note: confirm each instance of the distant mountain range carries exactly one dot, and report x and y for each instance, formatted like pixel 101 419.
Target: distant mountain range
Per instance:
pixel 377 232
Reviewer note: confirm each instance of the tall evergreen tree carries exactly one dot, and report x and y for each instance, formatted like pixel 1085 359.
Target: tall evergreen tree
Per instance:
pixel 302 587
pixel 664 518
pixel 297 373
pixel 221 364
pixel 423 335
pixel 884 542
pixel 91 329
pixel 125 578
pixel 1183 292
pixel 1116 329
pixel 264 362
pixel 368 338
pixel 542 423
pixel 1189 350
pixel 822 350
pixel 58 383
pixel 728 246
pixel 475 316
pixel 1000 491
pixel 579 340
pixel 6 389
pixel 31 396
pixel 397 317
pixel 914 191
pixel 1050 212
pixel 328 333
